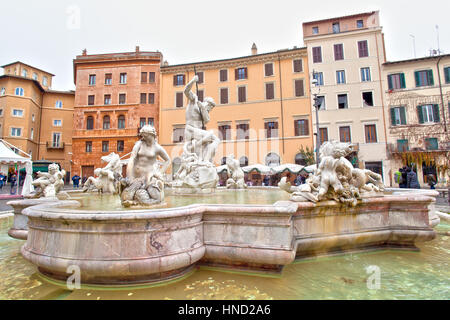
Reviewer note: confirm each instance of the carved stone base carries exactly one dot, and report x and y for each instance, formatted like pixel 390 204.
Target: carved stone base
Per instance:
pixel 202 179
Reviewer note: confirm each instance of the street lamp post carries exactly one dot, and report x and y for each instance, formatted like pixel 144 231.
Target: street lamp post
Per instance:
pixel 315 89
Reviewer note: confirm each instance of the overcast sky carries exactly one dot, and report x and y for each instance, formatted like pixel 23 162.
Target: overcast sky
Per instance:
pixel 48 35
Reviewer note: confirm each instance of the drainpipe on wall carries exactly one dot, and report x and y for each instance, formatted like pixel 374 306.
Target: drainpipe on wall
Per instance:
pixel 281 103
pixel 442 97
pixel 40 125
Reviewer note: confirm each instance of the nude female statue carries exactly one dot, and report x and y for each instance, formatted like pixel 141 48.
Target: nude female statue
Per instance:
pixel 144 184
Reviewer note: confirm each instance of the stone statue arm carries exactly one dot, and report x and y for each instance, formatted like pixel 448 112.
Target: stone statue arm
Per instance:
pixel 188 89
pixel 163 154
pixel 130 166
pixel 204 112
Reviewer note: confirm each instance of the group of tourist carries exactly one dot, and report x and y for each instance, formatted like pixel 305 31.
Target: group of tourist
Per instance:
pixel 12 180
pixel 406 177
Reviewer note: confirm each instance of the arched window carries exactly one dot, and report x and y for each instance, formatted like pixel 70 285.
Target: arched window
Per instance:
pixel 224 161
pixel 121 122
pixel 243 161
pixel 300 159
pixel 106 122
pixel 90 123
pixel 272 160
pixel 58 104
pixel 19 91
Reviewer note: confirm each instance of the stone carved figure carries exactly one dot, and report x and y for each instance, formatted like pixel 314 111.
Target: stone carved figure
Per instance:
pixel 197 171
pixel 335 178
pixel 49 184
pixel 236 180
pixel 27 184
pixel 144 184
pixel 107 178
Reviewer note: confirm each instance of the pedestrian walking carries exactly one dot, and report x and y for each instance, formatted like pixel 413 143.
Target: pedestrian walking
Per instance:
pixel 411 180
pixel 431 181
pixel 2 177
pixel 13 184
pixel 76 181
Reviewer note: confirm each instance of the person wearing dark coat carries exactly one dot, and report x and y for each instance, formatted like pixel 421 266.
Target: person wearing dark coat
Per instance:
pixel 404 173
pixel 411 180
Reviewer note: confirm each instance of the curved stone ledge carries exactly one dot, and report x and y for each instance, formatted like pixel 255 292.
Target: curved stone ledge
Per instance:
pixel 146 245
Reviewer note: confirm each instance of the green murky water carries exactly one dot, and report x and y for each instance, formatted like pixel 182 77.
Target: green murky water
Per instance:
pixel 404 275
pixel 108 202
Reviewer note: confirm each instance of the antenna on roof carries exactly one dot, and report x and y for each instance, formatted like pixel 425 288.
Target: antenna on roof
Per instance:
pixel 438 47
pixel 414 44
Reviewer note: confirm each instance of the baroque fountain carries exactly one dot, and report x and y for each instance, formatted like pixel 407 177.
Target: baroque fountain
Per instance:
pixel 151 230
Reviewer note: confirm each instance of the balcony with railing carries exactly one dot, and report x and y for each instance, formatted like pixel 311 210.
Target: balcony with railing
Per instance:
pixel 55 145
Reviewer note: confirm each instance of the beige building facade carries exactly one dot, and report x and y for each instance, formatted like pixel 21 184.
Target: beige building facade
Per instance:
pixel 345 54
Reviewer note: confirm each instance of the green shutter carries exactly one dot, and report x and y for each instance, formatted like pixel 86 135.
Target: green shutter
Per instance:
pixel 430 78
pixel 393 116
pixel 420 114
pixel 390 84
pixel 402 81
pixel 416 76
pixel 447 74
pixel 436 113
pixel 402 115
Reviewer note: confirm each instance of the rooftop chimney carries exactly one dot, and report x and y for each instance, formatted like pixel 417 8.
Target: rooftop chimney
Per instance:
pixel 137 49
pixel 254 49
pixel 84 52
pixel 166 63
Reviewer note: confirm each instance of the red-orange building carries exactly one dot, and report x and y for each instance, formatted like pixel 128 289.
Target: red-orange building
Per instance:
pixel 116 94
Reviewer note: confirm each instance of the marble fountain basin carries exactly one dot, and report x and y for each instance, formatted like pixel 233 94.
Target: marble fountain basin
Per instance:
pixel 123 247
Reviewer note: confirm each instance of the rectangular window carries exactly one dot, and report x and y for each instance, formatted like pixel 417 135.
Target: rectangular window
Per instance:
pixel 317 54
pixel 122 98
pixel 151 77
pixel 123 78
pixel 151 122
pixel 268 69
pixel 365 75
pixel 107 99
pixel 339 51
pixel 224 96
pixel 143 77
pixel 56 139
pixel 120 145
pixel 179 100
pixel 201 95
pixel 336 27
pixel 178 80
pixel 270 94
pixel 17 113
pixel 141 122
pixel 58 104
pixel 363 49
pixel 299 88
pixel 105 146
pixel 298 65
pixel 447 74
pixel 45 81
pixel 108 78
pixel 315 30
pixel 342 101
pixel 321 102
pixel 319 77
pixel 151 98
pixel 431 144
pixel 396 81
pixel 241 73
pixel 371 133
pixel 225 132
pixel 91 100
pixel 271 129
pixel 57 123
pixel 301 127
pixel 243 131
pixel 178 135
pixel 223 75
pixel 424 78
pixel 88 146
pixel 242 94
pixel 398 116
pixel 143 98
pixel 200 77
pixel 92 79
pixel 16 132
pixel 323 135
pixel 367 99
pixel 402 145
pixel 428 113
pixel 340 77
pixel 360 24
pixel 344 134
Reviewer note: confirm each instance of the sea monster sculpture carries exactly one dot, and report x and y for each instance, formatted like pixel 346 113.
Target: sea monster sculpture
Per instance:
pixel 107 178
pixel 236 174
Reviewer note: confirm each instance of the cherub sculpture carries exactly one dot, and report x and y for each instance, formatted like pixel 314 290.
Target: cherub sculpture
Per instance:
pixel 49 184
pixel 107 178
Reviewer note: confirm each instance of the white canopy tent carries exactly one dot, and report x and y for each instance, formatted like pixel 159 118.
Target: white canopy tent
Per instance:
pixel 9 157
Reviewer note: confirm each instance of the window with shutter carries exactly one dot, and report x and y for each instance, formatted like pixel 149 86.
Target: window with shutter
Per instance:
pixel 151 98
pixel 436 116
pixel 108 78
pixel 317 54
pixel 242 94
pixel 323 135
pixel 151 77
pixel 424 78
pixel 91 100
pixel 298 65
pixel 371 133
pixel 179 100
pixel 200 77
pixel 338 52
pixel 447 74
pixel 402 145
pixel 268 69
pixel 224 95
pixel 431 144
pixel 363 49
pixel 241 74
pixel 270 91
pixel 143 98
pixel 344 134
pixel 301 127
pixel 143 77
pixel 223 75
pixel 299 88
pixel 122 98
